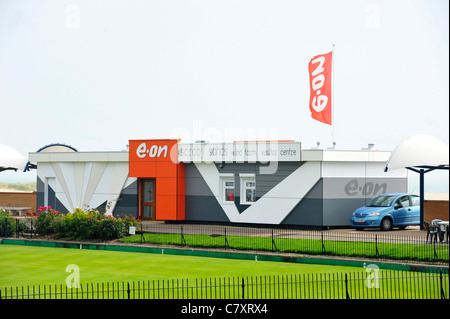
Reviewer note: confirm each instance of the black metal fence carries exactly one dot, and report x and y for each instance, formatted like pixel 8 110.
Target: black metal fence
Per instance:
pixel 400 246
pixel 14 227
pixel 358 244
pixel 372 284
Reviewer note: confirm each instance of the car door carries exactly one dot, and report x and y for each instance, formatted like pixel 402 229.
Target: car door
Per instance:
pixel 415 210
pixel 402 211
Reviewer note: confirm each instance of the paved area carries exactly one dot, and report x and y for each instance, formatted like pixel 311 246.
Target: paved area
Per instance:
pixel 408 231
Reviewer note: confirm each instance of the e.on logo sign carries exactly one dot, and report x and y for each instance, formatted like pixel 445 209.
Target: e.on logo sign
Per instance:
pixel 154 151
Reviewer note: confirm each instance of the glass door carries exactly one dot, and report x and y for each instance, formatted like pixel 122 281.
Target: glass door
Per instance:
pixel 148 199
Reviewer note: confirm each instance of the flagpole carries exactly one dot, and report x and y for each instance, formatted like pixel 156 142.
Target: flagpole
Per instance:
pixel 333 106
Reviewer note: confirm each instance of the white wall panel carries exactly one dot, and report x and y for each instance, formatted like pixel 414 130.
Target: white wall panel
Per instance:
pixel 78 170
pixel 85 179
pixel 358 169
pixel 111 184
pixel 377 170
pixel 343 169
pixel 96 174
pixel 68 171
pixel 45 170
pixel 63 193
pixel 86 174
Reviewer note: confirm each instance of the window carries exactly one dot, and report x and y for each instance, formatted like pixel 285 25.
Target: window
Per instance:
pixel 415 200
pixel 403 201
pixel 227 188
pixel 248 188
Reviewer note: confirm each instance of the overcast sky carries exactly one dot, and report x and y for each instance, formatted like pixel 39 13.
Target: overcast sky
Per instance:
pixel 94 74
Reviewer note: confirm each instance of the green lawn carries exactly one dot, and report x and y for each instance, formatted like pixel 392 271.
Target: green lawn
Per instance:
pixel 25 265
pixel 42 270
pixel 405 251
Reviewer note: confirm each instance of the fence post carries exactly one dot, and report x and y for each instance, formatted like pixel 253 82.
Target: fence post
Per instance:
pixel 226 240
pixel 273 242
pixel 128 290
pixel 434 247
pixel 323 246
pixel 243 288
pixel 142 234
pixel 376 246
pixel 183 241
pixel 442 286
pixel 347 295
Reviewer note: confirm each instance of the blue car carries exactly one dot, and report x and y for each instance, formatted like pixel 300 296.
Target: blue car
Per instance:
pixel 387 211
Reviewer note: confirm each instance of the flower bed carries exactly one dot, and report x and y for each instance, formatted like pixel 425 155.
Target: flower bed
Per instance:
pixel 80 224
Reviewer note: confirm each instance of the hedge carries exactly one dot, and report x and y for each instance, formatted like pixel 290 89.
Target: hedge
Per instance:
pixel 80 224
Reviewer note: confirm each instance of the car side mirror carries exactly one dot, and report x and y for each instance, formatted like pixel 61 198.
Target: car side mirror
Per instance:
pixel 397 206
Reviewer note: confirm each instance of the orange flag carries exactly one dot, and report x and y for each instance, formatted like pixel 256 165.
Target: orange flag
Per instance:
pixel 320 84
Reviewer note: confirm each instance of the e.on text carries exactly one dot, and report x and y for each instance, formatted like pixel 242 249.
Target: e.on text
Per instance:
pixel 153 151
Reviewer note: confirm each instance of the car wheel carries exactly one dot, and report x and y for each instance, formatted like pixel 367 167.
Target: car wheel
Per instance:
pixel 386 224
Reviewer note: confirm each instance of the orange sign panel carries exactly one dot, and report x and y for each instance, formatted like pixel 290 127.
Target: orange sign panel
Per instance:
pixel 158 159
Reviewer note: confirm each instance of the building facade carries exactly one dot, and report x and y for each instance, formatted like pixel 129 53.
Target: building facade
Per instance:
pixel 275 183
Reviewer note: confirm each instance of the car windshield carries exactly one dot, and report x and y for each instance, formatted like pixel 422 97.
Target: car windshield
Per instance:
pixel 381 201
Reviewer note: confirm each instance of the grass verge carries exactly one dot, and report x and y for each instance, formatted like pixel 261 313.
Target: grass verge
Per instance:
pixel 399 251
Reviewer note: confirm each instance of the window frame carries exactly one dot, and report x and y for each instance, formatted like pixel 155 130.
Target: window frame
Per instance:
pixel 224 178
pixel 244 179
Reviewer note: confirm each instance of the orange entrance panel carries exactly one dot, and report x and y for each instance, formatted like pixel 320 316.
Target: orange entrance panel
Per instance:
pixel 158 159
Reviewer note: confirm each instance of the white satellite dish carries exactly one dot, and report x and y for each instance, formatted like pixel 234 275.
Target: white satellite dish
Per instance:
pixel 11 159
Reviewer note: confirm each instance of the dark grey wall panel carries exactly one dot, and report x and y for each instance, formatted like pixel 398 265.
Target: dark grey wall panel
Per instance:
pixel 200 202
pixel 309 212
pixel 128 202
pixel 131 189
pixel 194 182
pixel 52 200
pixel 40 193
pixel 337 212
pixel 59 206
pixel 204 208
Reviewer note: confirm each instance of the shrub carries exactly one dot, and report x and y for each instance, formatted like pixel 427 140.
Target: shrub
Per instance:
pixel 127 222
pixel 91 224
pixel 44 219
pixel 78 225
pixel 110 228
pixel 7 224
